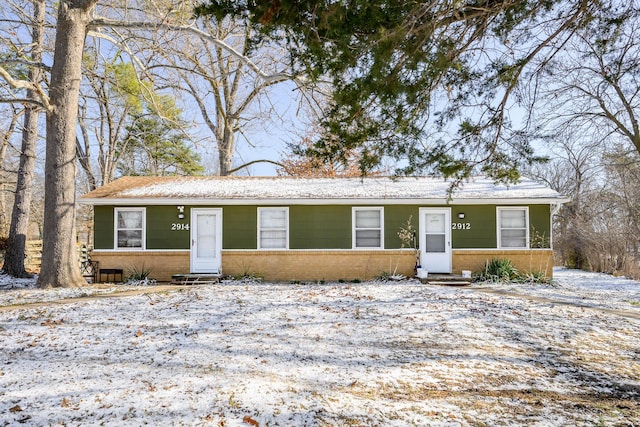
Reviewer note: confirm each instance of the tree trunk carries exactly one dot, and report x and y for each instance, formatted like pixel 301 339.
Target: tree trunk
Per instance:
pixel 60 265
pixel 4 176
pixel 4 224
pixel 84 158
pixel 225 151
pixel 16 243
pixel 18 232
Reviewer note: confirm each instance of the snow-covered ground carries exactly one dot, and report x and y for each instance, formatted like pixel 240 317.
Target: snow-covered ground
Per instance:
pixel 367 354
pixel 584 288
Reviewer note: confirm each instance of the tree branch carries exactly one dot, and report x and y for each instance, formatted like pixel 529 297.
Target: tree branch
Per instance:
pixel 234 170
pixel 21 101
pixel 40 65
pixel 278 77
pixel 124 46
pixel 512 84
pixel 23 84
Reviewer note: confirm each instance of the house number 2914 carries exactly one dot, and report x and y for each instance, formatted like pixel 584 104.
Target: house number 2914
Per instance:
pixel 461 226
pixel 176 226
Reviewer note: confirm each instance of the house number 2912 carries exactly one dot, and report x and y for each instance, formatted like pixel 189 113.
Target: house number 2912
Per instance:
pixel 461 226
pixel 176 226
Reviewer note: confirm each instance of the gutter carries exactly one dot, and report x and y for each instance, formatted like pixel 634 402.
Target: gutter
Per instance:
pixel 557 202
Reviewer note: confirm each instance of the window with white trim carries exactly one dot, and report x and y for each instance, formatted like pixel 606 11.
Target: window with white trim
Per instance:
pixel 368 230
pixel 513 227
pixel 273 228
pixel 129 228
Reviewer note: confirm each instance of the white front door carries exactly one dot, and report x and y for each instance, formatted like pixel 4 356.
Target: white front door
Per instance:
pixel 435 239
pixel 206 240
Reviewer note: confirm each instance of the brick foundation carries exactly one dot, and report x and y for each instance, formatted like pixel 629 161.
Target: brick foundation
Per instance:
pixel 318 265
pixel 311 265
pixel 524 260
pixel 162 264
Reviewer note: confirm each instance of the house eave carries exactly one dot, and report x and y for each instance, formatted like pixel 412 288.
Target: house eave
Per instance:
pixel 310 201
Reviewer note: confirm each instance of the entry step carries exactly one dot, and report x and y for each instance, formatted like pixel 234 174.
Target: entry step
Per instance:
pixel 446 280
pixel 195 279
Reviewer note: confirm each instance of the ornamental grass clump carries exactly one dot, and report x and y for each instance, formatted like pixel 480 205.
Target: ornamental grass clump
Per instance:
pixel 139 276
pixel 538 277
pixel 499 270
pixel 502 270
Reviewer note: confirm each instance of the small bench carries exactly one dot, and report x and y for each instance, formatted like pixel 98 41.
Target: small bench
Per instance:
pixel 89 270
pixel 115 272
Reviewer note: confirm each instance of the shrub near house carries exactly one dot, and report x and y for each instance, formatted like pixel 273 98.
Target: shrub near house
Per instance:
pixel 283 228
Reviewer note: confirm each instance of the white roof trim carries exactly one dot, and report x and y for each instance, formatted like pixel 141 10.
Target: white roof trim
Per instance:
pixel 272 191
pixel 281 202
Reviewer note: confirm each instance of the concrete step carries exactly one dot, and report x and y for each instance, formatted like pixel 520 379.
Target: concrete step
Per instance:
pixel 448 283
pixel 195 279
pixel 446 280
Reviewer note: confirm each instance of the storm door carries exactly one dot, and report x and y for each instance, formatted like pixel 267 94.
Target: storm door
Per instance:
pixel 435 239
pixel 206 240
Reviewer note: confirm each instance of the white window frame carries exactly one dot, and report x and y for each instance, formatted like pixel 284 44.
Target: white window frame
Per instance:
pixel 286 213
pixel 354 229
pixel 116 229
pixel 500 209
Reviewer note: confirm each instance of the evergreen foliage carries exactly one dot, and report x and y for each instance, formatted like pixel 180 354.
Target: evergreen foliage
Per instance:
pixel 157 147
pixel 430 83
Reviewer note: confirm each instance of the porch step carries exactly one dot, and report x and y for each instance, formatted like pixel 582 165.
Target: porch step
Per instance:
pixel 195 279
pixel 446 280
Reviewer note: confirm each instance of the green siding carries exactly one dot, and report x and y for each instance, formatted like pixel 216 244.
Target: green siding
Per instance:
pixel 320 227
pixel 239 227
pixel 161 231
pixel 395 218
pixel 103 227
pixel 481 232
pixel 540 226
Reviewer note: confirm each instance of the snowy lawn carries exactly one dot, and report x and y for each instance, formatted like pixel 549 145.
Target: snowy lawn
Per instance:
pixel 368 354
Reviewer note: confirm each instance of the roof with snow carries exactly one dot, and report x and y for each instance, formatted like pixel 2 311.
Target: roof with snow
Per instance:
pixel 291 190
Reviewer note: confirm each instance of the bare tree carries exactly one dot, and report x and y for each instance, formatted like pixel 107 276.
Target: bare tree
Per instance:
pixel 112 98
pixel 297 162
pixel 591 91
pixel 59 252
pixel 623 175
pixel 226 80
pixel 16 243
pixel 6 175
pixel 598 230
pixel 574 172
pixel 231 95
pixel 594 84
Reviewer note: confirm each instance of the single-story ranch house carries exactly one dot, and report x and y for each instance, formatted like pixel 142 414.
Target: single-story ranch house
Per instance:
pixel 285 228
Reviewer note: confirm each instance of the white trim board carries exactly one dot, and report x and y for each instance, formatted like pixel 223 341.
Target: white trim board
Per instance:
pixel 351 202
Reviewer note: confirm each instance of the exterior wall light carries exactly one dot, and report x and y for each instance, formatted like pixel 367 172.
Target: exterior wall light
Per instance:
pixel 180 212
pixel 461 215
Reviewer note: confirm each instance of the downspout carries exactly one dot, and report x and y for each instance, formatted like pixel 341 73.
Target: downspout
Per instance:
pixel 555 208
